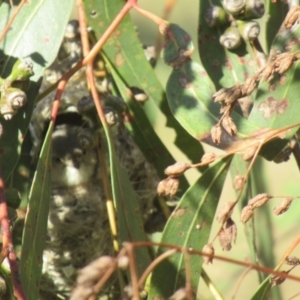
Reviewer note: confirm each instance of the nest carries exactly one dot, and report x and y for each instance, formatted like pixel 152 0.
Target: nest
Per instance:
pixel 78 229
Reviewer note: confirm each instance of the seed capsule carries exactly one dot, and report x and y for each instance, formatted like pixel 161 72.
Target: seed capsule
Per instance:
pixel 88 138
pixel 225 240
pixel 216 16
pixel 16 98
pixel 249 30
pixel 234 7
pixel 277 280
pixel 229 125
pixel 254 9
pixel 216 133
pixel 231 38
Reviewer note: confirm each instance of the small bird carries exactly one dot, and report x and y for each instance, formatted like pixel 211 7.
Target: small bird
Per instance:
pixel 71 164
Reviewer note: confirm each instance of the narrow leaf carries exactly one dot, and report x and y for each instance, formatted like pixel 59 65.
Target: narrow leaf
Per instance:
pixel 130 223
pixel 35 229
pixel 189 226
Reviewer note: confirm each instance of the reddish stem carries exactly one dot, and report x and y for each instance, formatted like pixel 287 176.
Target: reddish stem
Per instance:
pixel 7 245
pixel 229 260
pixel 15 13
pixel 89 58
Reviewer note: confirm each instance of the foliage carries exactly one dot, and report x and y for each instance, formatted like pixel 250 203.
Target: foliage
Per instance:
pixel 240 97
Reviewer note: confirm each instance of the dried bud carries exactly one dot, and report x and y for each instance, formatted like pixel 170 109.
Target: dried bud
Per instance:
pixel 249 86
pixel 292 260
pixel 228 95
pixel 276 279
pixel 259 200
pixel 225 212
pixel 179 295
pixel 282 206
pixel 177 169
pixel 228 125
pixel 292 17
pixel 246 214
pixel 283 62
pixel 231 229
pixel 267 73
pixel 209 250
pixel 239 182
pixel 168 186
pixel 123 262
pixel 208 158
pixel 249 153
pixel 216 133
pixel 225 240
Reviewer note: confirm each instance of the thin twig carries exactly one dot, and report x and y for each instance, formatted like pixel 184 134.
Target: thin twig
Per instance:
pixel 154 264
pixel 103 169
pixel 242 277
pixel 7 245
pixel 90 57
pixel 132 268
pixel 104 279
pixel 10 21
pixel 229 260
pixel 188 276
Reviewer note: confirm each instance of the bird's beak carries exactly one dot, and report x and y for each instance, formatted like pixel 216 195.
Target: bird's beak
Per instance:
pixel 74 163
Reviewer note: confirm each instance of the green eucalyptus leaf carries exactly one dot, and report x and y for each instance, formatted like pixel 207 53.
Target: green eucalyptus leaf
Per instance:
pixel 35 228
pixel 178 45
pixel 130 223
pixel 189 92
pixel 225 67
pixel 124 51
pixel 263 290
pixel 35 36
pixel 277 12
pixel 276 104
pixel 189 226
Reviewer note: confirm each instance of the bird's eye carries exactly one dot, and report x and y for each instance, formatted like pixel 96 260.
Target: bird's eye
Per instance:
pixel 56 160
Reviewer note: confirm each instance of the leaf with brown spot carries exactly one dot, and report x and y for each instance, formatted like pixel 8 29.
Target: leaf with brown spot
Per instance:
pixel 201 200
pixel 279 106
